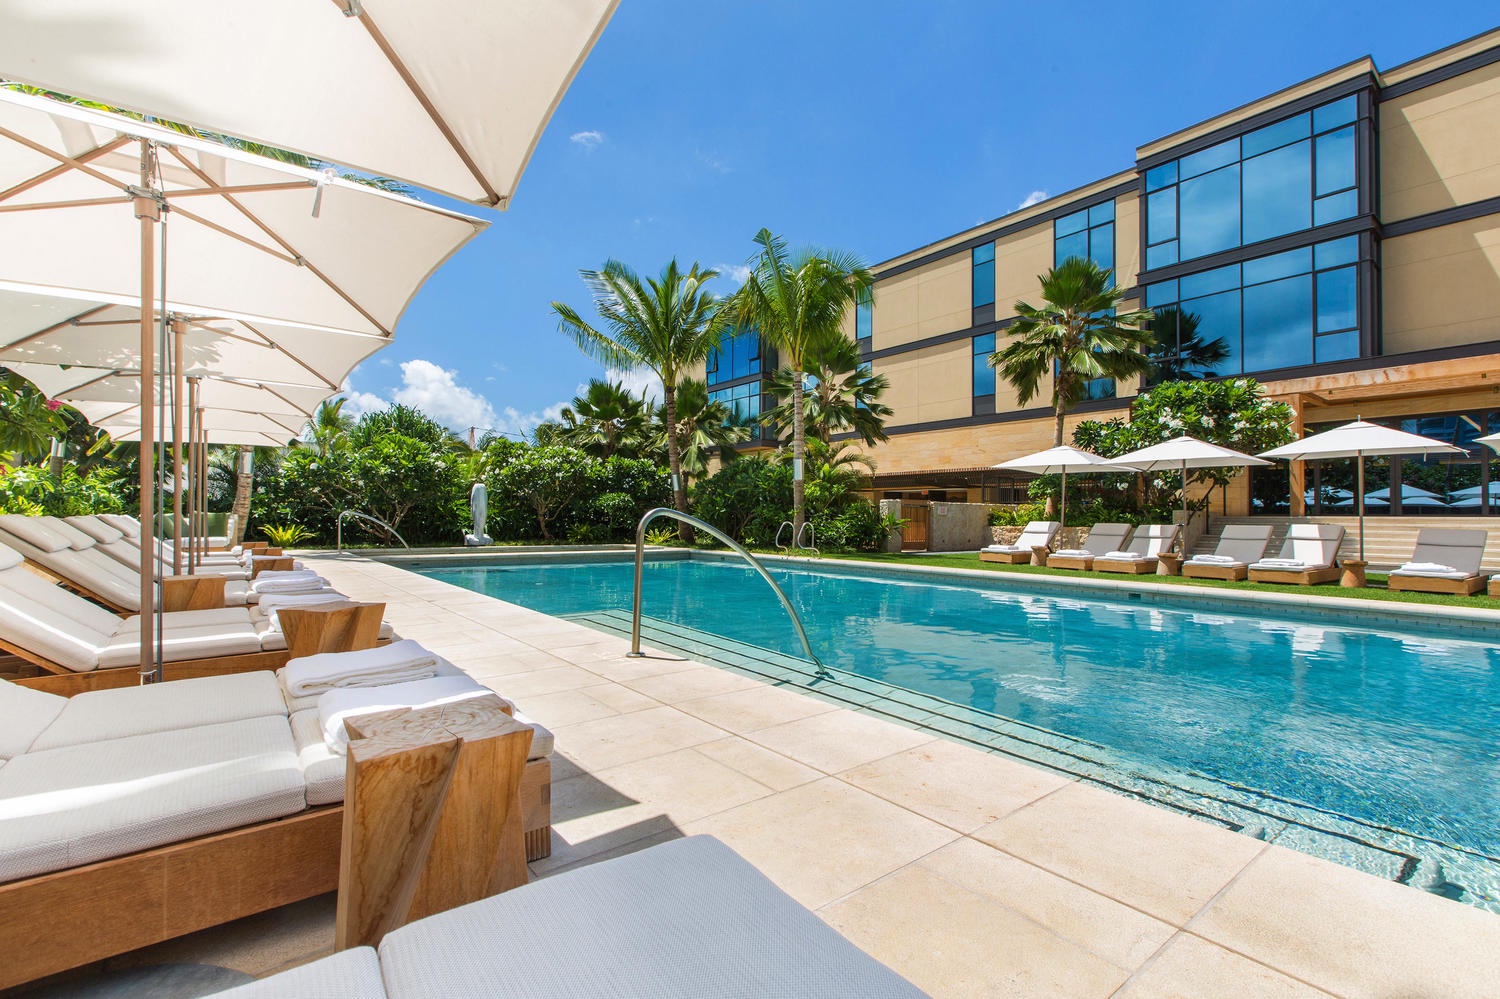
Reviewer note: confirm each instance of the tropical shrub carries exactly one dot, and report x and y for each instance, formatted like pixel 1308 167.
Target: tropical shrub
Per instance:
pixel 34 490
pixel 287 535
pixel 1017 516
pixel 747 499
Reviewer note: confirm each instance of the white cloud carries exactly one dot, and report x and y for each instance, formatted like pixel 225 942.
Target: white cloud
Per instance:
pixel 738 273
pixel 513 422
pixel 590 140
pixel 356 404
pixel 637 381
pixel 435 391
pixel 1033 198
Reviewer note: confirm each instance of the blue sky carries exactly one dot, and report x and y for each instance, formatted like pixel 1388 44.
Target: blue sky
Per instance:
pixel 871 126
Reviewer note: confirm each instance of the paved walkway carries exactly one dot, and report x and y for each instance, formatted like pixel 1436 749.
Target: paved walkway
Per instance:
pixel 968 873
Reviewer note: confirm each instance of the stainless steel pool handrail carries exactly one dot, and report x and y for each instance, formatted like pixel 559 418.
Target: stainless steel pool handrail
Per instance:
pixel 640 561
pixel 812 535
pixel 777 542
pixel 339 543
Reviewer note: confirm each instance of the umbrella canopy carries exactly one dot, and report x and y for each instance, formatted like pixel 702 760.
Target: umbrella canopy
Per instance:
pixel 1058 461
pixel 1382 498
pixel 1473 492
pixel 1336 494
pixel 443 94
pixel 1182 453
pixel 1358 440
pixel 1408 493
pixel 1493 440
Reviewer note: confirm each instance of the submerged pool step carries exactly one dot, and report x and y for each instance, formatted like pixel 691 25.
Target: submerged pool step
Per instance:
pixel 1389 853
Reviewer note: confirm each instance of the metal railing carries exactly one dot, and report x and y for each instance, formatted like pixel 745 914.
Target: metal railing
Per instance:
pixel 640 558
pixel 807 529
pixel 339 544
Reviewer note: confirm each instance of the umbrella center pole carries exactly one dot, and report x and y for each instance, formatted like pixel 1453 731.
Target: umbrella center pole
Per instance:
pixel 147 207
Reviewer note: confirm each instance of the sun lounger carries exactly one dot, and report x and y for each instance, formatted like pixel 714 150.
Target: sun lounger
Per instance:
pixel 126 549
pixel 1308 557
pixel 682 919
pixel 1103 538
pixel 1140 555
pixel 1444 561
pixel 1038 534
pixel 1239 545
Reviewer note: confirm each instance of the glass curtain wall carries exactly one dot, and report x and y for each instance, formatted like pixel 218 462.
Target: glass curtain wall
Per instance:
pixel 735 365
pixel 1088 233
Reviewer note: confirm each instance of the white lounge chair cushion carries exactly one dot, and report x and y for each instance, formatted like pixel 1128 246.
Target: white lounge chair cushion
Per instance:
pixel 97 529
pixel 541 737
pixel 32 531
pixel 323 770
pixel 128 526
pixel 24 715
pixel 345 974
pixel 65 807
pixel 341 703
pixel 54 624
pixel 688 918
pixel 1435 570
pixel 182 643
pixel 100 715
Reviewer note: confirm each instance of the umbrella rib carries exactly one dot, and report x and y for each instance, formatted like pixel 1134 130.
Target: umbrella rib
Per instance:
pixel 430 108
pixel 234 235
pixel 295 185
pixel 73 321
pixel 34 206
pixel 297 258
pixel 63 168
pixel 308 367
pixel 71 162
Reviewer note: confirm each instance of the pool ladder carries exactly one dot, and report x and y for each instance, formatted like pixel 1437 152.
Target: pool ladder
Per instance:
pixel 640 561
pixel 339 544
pixel 807 529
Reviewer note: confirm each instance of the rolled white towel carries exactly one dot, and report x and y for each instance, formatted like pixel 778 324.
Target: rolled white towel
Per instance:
pixel 1214 559
pixel 287 574
pixel 393 663
pixel 348 702
pixel 1426 567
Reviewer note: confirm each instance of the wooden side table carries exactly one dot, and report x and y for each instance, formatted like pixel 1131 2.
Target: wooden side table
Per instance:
pixel 1354 573
pixel 342 626
pixel 1169 564
pixel 1039 554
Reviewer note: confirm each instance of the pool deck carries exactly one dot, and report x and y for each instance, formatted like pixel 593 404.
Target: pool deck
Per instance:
pixel 967 872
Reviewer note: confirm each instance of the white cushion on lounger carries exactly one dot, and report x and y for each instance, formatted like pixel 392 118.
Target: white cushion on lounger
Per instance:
pixel 178 644
pixel 1214 560
pixel 65 807
pixel 688 918
pixel 33 531
pixel 128 526
pixel 345 974
pixel 296 704
pixel 24 715
pixel 1432 570
pixel 97 529
pixel 322 769
pixel 99 715
pixel 541 738
pixel 1122 556
pixel 336 705
pixel 1074 552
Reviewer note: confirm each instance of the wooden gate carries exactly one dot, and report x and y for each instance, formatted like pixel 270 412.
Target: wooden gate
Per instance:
pixel 914 531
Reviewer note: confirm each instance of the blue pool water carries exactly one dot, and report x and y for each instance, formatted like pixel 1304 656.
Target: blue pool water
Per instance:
pixel 1397 730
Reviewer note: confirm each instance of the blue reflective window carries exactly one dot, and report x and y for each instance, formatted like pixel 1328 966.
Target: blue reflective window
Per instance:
pixel 1161 216
pixel 737 356
pixel 1273 136
pixel 1335 114
pixel 983 280
pixel 1336 347
pixel 1102 213
pixel 1076 222
pixel 1161 256
pixel 1208 282
pixel 1275 193
pixel 1102 246
pixel 1159 177
pixel 1335 161
pixel 1161 294
pixel 864 318
pixel 1208 213
pixel 1099 388
pixel 1278 324
pixel 1075 245
pixel 1335 207
pixel 1208 159
pixel 1217 317
pixel 1338 300
pixel 1336 252
pixel 984 375
pixel 1280 265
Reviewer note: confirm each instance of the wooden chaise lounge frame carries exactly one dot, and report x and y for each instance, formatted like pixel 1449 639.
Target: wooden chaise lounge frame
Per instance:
pixel 106 908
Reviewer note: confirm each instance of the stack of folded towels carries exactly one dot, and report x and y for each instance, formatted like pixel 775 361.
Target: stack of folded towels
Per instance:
pixel 1215 559
pixel 1074 552
pixel 1282 563
pixel 289 581
pixel 1428 569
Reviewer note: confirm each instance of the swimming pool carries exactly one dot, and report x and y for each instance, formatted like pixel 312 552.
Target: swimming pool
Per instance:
pixel 1376 747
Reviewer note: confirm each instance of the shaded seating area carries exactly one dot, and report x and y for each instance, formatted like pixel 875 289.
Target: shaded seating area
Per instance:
pixel 1308 557
pixel 1443 561
pixel 1103 539
pixel 686 918
pixel 1037 534
pixel 1140 555
pixel 1238 546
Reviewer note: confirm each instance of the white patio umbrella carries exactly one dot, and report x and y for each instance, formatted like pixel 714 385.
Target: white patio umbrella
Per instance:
pixel 1358 440
pixel 444 94
pixel 1408 491
pixel 1058 461
pixel 81 191
pixel 1182 453
pixel 1493 440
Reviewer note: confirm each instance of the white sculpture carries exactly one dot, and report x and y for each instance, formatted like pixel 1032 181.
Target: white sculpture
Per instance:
pixel 479 505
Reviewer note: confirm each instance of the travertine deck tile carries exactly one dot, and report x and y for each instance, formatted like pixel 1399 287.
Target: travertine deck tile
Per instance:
pixel 1192 968
pixel 837 740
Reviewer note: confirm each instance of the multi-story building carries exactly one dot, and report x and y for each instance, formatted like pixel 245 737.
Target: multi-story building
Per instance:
pixel 1340 237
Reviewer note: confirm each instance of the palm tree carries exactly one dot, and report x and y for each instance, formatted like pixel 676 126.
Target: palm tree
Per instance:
pixel 328 428
pixel 797 300
pixel 606 420
pixel 843 395
pixel 667 324
pixel 1075 336
pixel 702 426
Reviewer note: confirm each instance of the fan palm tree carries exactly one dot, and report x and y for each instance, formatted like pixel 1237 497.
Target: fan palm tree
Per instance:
pixel 606 420
pixel 798 299
pixel 702 426
pixel 1181 352
pixel 1075 336
pixel 843 395
pixel 667 324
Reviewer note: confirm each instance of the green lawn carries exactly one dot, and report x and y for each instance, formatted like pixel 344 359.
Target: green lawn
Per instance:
pixel 1375 591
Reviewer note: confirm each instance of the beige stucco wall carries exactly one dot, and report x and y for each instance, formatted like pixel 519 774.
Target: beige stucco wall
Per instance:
pixel 1019 258
pixel 929 384
pixel 1127 240
pixel 1441 286
pixel 923 302
pixel 1440 146
pixel 970 447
